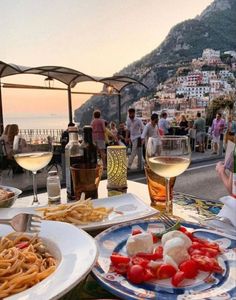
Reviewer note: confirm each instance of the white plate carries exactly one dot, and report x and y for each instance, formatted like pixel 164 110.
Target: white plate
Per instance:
pixel 77 252
pixel 129 204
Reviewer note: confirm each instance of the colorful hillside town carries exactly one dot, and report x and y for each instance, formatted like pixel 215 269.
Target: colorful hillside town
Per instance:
pixel 194 86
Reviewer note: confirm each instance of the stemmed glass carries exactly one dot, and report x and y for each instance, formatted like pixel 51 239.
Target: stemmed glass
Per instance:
pixel 33 153
pixel 169 158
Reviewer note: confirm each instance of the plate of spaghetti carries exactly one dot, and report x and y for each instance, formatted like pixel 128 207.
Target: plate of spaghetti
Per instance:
pixel 46 266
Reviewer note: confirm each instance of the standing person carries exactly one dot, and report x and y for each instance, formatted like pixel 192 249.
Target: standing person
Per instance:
pixel 151 130
pixel 200 127
pixel 134 128
pixel 121 134
pixel 113 129
pixel 98 126
pixel 110 139
pixel 191 134
pixel 65 137
pixel 183 124
pixel 164 125
pixel 230 130
pixel 217 128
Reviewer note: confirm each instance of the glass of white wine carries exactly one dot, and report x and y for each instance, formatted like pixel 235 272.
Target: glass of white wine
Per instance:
pixel 169 158
pixel 33 153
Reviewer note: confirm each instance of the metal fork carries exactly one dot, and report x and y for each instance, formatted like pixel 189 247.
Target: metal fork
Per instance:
pixel 167 221
pixel 24 222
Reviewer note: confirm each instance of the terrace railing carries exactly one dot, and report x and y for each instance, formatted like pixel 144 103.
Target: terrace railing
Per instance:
pixel 54 133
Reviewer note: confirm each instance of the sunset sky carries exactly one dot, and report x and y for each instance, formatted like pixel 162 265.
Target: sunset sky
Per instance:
pixel 97 37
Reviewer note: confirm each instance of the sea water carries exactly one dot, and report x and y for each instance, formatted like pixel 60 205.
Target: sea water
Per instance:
pixel 40 121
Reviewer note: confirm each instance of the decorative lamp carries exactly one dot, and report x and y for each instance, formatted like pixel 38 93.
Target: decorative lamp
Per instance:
pixel 116 169
pixel 49 82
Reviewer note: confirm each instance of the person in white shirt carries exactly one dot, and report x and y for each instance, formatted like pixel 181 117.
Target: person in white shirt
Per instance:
pixel 151 130
pixel 134 129
pixel 164 125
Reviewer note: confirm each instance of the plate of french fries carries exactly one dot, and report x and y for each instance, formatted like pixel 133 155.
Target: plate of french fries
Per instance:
pixel 81 212
pixel 99 213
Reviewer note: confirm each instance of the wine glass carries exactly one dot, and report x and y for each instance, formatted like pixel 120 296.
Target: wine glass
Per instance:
pixel 33 153
pixel 168 158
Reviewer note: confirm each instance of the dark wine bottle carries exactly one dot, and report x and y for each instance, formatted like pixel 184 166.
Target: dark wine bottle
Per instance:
pixel 89 149
pixel 73 156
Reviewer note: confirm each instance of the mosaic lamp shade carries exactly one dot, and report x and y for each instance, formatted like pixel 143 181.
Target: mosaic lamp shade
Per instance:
pixel 116 167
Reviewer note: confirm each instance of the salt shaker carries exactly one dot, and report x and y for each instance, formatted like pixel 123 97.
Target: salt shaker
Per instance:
pixel 53 187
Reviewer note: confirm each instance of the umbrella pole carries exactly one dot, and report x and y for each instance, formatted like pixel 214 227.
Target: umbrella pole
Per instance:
pixel 69 105
pixel 119 107
pixel 1 113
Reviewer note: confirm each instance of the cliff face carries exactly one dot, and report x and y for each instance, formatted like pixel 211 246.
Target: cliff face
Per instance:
pixel 215 28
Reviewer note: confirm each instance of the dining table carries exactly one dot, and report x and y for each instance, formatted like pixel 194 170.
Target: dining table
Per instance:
pixel 186 207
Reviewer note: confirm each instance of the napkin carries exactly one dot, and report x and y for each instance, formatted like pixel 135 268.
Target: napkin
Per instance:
pixel 229 209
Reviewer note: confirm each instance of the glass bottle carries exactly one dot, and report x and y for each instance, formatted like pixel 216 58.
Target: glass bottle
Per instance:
pixel 53 187
pixel 89 149
pixel 73 156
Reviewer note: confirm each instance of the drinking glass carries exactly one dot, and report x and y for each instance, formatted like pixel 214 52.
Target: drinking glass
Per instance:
pixel 169 158
pixel 33 153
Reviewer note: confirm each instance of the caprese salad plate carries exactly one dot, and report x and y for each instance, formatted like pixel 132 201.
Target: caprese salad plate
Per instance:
pixel 190 262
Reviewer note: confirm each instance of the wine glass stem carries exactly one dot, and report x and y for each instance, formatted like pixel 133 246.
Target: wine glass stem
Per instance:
pixel 168 202
pixel 35 198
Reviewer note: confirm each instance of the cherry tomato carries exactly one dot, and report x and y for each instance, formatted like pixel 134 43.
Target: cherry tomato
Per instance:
pixel 177 278
pixel 190 268
pixel 193 251
pixel 136 274
pixel 22 245
pixel 216 267
pixel 210 252
pixel 148 274
pixel 196 239
pixel 204 263
pixel 136 231
pixel 155 239
pixel 140 261
pixel 182 229
pixel 211 245
pixel 150 256
pixel 197 245
pixel 117 259
pixel 207 264
pixel 159 251
pixel 165 271
pixel 119 269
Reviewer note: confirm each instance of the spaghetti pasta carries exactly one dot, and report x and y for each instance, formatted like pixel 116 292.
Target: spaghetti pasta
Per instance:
pixel 24 261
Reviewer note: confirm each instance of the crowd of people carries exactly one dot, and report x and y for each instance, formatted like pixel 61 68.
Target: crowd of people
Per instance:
pixel 135 132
